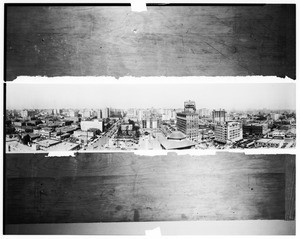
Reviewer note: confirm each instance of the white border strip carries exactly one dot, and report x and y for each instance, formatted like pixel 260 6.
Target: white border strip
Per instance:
pixel 150 80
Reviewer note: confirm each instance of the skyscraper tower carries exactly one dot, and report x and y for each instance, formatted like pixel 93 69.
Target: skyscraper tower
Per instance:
pixel 190 106
pixel 188 120
pixel 219 116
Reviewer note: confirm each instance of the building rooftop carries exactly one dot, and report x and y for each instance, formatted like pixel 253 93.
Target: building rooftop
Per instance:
pixel 63 146
pixel 187 113
pixel 34 136
pixel 84 137
pixel 47 128
pixel 177 144
pixel 255 124
pixel 263 140
pixel 47 142
pixel 65 128
pixel 276 141
pixel 177 141
pixel 177 135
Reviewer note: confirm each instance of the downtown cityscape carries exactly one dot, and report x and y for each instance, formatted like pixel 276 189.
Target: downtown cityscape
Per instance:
pixel 148 129
pixel 116 117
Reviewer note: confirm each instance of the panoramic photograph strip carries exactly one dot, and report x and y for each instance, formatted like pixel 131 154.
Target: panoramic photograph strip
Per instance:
pixel 113 117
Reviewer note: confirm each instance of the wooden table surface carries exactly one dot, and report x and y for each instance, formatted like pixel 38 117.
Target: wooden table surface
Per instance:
pixel 164 41
pixel 120 187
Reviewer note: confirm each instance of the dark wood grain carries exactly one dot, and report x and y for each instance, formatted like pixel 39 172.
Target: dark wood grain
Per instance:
pixel 290 185
pixel 165 40
pixel 119 187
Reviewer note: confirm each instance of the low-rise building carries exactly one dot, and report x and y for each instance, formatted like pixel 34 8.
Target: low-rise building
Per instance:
pixel 63 136
pixel 269 143
pixel 83 136
pixel 275 116
pixel 96 124
pixel 44 144
pixel 64 146
pixel 175 140
pixel 255 129
pixel 126 128
pixel 278 134
pixel 19 123
pixel 228 132
pixel 45 131
pixel 65 129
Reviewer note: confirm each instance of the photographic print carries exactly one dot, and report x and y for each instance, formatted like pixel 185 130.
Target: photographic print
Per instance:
pixel 160 136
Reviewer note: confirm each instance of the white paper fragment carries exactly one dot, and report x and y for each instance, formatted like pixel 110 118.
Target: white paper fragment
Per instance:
pixel 153 233
pixel 269 151
pixel 61 154
pixel 166 152
pixel 150 80
pixel 138 6
pixel 195 152
pixel 150 152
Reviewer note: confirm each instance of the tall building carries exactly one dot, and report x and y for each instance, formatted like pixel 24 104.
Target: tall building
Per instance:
pixel 228 132
pixel 140 115
pixel 57 111
pixel 148 125
pixel 204 112
pixel 28 113
pixel 154 124
pixel 219 116
pixel 99 114
pixel 188 120
pixel 105 113
pixel 173 115
pixel 73 113
pixel 87 113
pixel 131 113
pixel 144 124
pixel 275 116
pixel 24 113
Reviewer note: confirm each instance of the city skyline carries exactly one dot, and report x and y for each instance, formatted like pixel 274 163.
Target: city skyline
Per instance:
pixel 123 96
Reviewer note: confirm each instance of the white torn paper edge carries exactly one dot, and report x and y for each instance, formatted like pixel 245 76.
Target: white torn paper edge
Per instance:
pixel 153 233
pixel 62 154
pixel 138 6
pixel 149 80
pixel 192 152
pixel 150 152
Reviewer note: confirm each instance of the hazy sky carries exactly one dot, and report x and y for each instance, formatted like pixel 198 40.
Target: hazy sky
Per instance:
pixel 214 96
